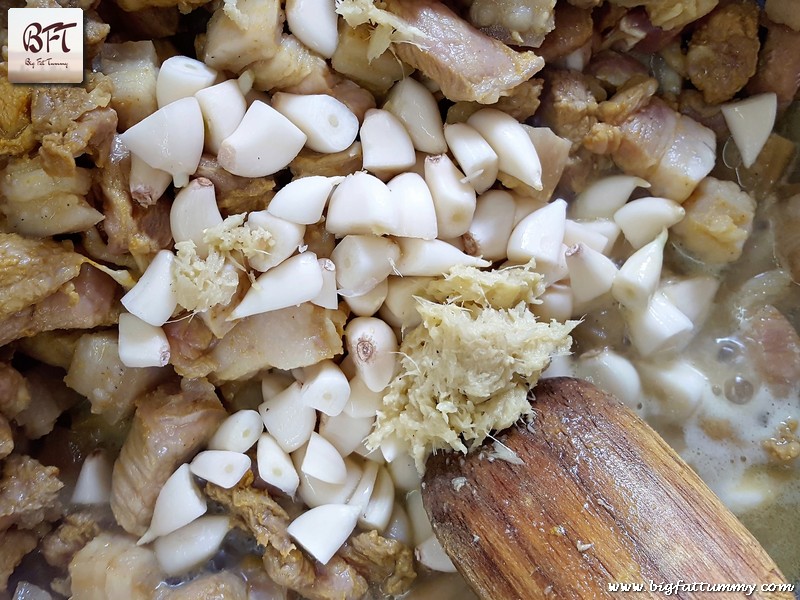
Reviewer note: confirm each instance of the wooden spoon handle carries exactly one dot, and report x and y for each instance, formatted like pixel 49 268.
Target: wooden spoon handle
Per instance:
pixel 599 499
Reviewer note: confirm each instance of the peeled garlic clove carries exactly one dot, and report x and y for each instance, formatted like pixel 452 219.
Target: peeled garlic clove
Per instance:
pixel 404 473
pixel 642 220
pixel 238 432
pixel 361 203
pixel 577 232
pixel 693 297
pixel 345 432
pixel 325 388
pixel 274 465
pixel 153 299
pixel 416 214
pixel 639 276
pixel 516 153
pixel 385 144
pixel 327 297
pixel 379 509
pixel 362 262
pixel 366 484
pixel 94 480
pixel 362 401
pixel 400 307
pixel 193 211
pixel 591 274
pixel 368 304
pixel 323 530
pixel 420 524
pixel 750 122
pixel 285 236
pixel 223 106
pixel 373 345
pixel 274 383
pixel 432 257
pixel 473 154
pixel 220 467
pixel 540 236
pixel 612 373
pixel 315 23
pixel 296 280
pixel 141 344
pixel 491 225
pixel 264 143
pixel 327 122
pixel 677 385
pixel 555 303
pixel 322 461
pixel 314 492
pixel 182 77
pixel 453 199
pixel 147 184
pixel 602 198
pixel 171 139
pixel 191 546
pixel 415 106
pixel 303 200
pixel 288 419
pixel 431 554
pixel 658 326
pixel 179 503
pixel 399 527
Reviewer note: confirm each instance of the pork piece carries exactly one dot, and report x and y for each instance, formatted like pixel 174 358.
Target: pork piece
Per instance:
pixel 32 270
pixel 382 561
pixel 112 566
pixel 190 341
pixel 49 399
pixel 72 121
pixel 16 132
pixel 553 154
pixel 354 60
pixel 778 68
pixel 15 395
pixel 236 195
pixel 573 29
pixel 673 152
pixel 75 531
pixel 569 106
pixel 293 67
pixel 213 586
pixel 631 97
pixel 28 493
pixel 692 104
pixel 447 54
pixel 774 345
pixel 6 437
pixel 613 69
pixel 89 300
pixel 97 373
pixel 517 22
pixel 130 227
pixel 723 51
pixel 54 348
pixel 14 545
pixel 169 426
pixel 671 14
pixel 185 6
pixel 308 162
pixel 718 221
pixel 521 103
pixel 292 337
pixel 132 68
pixel 785 12
pixel 785 221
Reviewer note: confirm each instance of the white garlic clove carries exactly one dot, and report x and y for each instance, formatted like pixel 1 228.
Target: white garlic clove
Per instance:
pixel 453 199
pixel 296 280
pixel 386 146
pixel 238 432
pixel 516 153
pixel 431 554
pixel 473 154
pixel 416 213
pixel 147 184
pixel 432 257
pixel 642 220
pixel 285 238
pixel 361 204
pixel 192 545
pixel 170 139
pixel 315 493
pixel 591 274
pixel 578 232
pixel 288 419
pixel 275 466
pixel 693 297
pixel 325 388
pixel 750 122
pixel 94 480
pixel 153 299
pixel 555 303
pixel 362 402
pixel 327 297
pixel 193 211
pixel 381 504
pixel 639 276
pixel 323 530
pixel 344 431
pixel 315 23
pixel 141 344
pixel 182 77
pixel 658 326
pixel 399 527
pixel 540 236
pixel 327 122
pixel 416 107
pixel 366 305
pixel 220 467
pixel 602 198
pixel 362 262
pixel 404 473
pixel 303 200
pixel 491 225
pixel 525 205
pixel 400 307
pixel 264 143
pixel 420 523
pixel 274 383
pixel 322 461
pixel 366 484
pixel 179 503
pixel 677 386
pixel 373 346
pixel 612 373
pixel 223 107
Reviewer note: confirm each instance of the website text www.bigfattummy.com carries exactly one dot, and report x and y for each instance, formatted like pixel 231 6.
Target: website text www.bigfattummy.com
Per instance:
pixel 674 587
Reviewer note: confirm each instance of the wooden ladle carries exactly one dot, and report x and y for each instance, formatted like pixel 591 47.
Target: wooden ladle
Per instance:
pixel 599 499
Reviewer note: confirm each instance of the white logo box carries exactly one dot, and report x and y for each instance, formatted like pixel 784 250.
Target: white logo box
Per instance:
pixel 45 45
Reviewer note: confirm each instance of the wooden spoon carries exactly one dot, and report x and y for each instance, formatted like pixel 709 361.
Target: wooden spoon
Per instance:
pixel 598 499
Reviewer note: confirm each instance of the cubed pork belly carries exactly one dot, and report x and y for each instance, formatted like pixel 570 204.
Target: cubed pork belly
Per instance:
pixel 778 68
pixel 28 493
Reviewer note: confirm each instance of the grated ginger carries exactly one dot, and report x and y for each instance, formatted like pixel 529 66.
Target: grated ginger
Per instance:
pixel 467 368
pixel 388 28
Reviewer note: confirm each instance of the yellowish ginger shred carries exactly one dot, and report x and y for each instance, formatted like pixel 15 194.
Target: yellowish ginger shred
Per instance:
pixel 388 28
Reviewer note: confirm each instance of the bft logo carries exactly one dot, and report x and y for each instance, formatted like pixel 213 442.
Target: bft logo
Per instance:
pixel 45 45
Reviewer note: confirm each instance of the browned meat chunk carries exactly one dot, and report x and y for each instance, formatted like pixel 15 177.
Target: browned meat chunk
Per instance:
pixel 447 52
pixel 190 340
pixel 631 97
pixel 386 562
pixel 28 493
pixel 6 438
pixel 132 68
pixel 76 530
pixel 774 345
pixel 785 12
pixel 345 162
pixel 613 69
pixel 517 22
pixel 14 545
pixel 54 348
pixel 573 28
pixel 89 300
pixel 672 14
pixel 31 270
pixel 723 51
pixel 215 586
pixel 15 395
pixel 521 103
pixel 49 399
pixel 16 131
pixel 569 107
pixel 778 65
pixel 170 425
pixel 236 194
pixel 692 104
